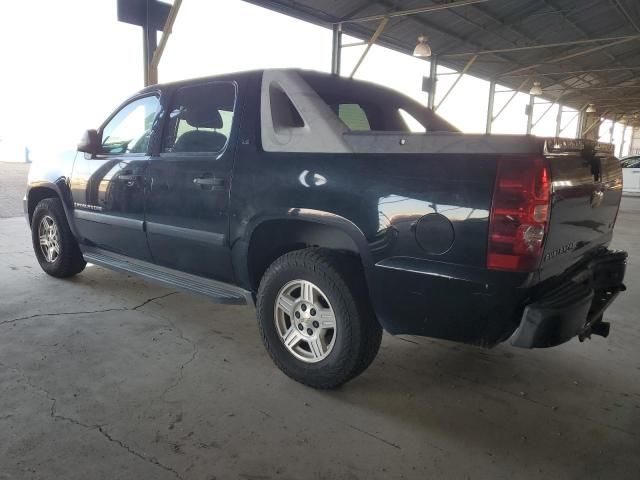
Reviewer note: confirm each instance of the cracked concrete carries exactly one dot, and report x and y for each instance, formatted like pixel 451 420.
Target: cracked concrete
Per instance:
pixel 105 376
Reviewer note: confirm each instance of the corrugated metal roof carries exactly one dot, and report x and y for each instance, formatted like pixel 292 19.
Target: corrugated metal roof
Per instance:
pixel 578 74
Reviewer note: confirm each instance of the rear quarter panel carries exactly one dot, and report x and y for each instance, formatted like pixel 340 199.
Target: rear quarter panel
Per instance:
pixel 383 195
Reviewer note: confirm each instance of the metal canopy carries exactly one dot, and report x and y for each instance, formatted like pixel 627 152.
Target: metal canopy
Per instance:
pixel 581 51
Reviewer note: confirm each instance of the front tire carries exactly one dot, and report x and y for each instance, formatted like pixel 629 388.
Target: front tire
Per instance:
pixel 55 246
pixel 315 318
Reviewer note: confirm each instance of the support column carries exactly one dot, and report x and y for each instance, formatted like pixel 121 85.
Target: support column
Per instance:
pixel 559 120
pixel 624 132
pixel 433 78
pixel 581 114
pixel 336 49
pixel 613 126
pixel 149 43
pixel 492 97
pixel 532 100
pixel 590 126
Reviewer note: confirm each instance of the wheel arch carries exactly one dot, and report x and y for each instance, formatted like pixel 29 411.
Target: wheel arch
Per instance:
pixel 40 191
pixel 271 236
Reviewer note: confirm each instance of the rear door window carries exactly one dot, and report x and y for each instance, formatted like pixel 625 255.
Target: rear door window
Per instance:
pixel 200 119
pixel 354 117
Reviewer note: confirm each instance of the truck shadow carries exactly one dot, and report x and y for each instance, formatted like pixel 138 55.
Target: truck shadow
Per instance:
pixel 553 410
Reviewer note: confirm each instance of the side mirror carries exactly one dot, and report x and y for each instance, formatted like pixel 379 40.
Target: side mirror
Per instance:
pixel 89 143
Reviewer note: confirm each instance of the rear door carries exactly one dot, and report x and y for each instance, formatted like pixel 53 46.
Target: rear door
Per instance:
pixel 631 174
pixel 108 190
pixel 187 203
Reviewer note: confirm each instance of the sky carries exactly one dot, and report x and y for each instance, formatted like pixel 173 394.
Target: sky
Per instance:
pixel 68 63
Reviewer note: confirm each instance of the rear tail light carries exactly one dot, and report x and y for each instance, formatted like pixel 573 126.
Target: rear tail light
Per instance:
pixel 519 214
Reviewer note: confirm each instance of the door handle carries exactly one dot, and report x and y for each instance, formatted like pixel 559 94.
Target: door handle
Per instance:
pixel 129 178
pixel 216 183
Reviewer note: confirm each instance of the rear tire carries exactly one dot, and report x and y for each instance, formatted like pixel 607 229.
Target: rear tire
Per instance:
pixel 55 246
pixel 315 318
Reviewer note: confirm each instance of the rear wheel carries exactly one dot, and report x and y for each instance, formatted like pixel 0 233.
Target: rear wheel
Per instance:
pixel 55 246
pixel 315 319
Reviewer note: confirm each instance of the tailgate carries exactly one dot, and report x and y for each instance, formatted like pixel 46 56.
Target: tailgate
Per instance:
pixel 586 193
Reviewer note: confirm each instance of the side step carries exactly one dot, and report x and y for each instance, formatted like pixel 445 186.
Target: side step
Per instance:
pixel 218 291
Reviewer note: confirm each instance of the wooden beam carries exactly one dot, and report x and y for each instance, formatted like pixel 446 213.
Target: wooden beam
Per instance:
pixel 166 31
pixel 370 43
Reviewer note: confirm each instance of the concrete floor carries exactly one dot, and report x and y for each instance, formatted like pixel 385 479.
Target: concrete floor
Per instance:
pixel 106 376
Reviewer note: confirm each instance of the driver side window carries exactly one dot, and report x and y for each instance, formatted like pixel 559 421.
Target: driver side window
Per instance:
pixel 129 131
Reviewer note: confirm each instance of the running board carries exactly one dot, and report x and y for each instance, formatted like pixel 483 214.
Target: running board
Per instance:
pixel 218 291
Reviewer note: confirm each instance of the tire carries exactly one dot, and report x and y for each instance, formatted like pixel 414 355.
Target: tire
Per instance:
pixel 325 358
pixel 65 259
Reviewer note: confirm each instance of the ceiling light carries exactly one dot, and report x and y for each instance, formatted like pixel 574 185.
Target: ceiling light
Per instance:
pixel 422 48
pixel 591 108
pixel 536 89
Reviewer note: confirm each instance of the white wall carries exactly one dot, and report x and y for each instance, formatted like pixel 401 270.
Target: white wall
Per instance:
pixel 13 152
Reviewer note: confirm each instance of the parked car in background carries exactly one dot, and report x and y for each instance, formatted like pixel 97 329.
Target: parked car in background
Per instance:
pixel 631 174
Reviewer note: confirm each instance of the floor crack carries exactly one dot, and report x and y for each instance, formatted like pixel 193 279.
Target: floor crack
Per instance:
pixel 152 299
pixel 194 353
pixel 87 312
pixel 37 315
pixel 100 428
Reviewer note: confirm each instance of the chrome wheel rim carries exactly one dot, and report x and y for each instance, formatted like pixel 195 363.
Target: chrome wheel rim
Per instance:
pixel 305 321
pixel 49 241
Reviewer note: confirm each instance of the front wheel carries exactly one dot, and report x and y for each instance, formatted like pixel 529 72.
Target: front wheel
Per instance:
pixel 55 246
pixel 315 319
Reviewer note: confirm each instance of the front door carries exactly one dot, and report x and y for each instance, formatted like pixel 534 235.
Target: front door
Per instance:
pixel 187 202
pixel 109 189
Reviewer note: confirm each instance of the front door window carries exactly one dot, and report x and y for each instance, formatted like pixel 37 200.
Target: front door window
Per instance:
pixel 129 131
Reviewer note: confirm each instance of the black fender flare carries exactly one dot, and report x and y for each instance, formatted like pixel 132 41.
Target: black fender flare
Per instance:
pixel 61 188
pixel 240 246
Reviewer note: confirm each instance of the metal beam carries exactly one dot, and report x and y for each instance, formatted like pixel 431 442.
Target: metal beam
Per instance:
pixel 492 96
pixel 433 76
pixel 152 77
pixel 624 132
pixel 614 40
pixel 549 74
pixel 577 28
pixel 611 129
pixel 515 92
pixel 532 102
pixel 336 49
pixel 559 120
pixel 579 89
pixel 626 15
pixel 431 26
pixel 413 11
pixel 464 70
pixel 569 56
pixel 598 121
pixel 551 104
pixel 576 115
pixel 371 41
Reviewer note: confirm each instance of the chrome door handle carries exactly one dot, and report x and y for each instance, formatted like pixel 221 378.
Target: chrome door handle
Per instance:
pixel 215 183
pixel 129 178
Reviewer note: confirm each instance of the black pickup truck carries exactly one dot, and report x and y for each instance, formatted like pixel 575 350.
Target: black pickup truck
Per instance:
pixel 309 195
